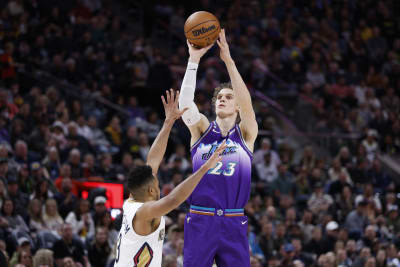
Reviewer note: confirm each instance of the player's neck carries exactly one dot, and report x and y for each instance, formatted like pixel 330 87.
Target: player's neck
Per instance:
pixel 225 124
pixel 140 199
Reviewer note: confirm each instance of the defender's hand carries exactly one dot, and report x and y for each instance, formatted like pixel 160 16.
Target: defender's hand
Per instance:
pixel 171 109
pixel 216 156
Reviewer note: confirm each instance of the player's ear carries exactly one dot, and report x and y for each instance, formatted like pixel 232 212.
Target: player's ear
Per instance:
pixel 150 189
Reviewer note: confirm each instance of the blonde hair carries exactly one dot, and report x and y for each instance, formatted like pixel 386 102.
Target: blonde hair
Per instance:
pixel 43 257
pixel 49 201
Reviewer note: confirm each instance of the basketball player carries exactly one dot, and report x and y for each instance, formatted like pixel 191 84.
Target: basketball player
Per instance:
pixel 142 232
pixel 216 219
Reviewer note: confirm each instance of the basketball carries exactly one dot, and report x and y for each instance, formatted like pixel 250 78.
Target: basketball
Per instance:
pixel 202 29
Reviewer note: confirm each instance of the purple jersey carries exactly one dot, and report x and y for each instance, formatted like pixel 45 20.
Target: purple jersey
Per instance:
pixel 226 186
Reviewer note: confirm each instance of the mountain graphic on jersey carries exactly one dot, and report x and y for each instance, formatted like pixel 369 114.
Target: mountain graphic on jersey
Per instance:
pixel 232 148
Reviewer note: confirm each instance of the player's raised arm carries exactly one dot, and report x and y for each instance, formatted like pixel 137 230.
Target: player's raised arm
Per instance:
pixel 179 194
pixel 248 123
pixel 159 145
pixel 196 122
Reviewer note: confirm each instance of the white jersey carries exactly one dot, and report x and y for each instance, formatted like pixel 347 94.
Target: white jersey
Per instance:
pixel 134 250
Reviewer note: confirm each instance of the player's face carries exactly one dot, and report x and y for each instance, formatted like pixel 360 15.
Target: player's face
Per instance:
pixel 226 103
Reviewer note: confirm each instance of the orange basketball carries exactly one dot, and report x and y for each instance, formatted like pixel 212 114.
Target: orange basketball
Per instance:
pixel 202 29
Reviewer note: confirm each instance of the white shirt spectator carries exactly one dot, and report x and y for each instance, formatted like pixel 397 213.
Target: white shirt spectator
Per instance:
pixel 371 146
pixel 265 148
pixel 267 172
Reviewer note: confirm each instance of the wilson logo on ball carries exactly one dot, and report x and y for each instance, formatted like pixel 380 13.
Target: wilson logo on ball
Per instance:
pixel 203 30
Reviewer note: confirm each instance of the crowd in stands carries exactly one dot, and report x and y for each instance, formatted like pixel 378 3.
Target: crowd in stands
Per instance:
pixel 338 61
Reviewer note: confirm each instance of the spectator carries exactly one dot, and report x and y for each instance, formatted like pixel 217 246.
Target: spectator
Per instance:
pixel 267 170
pixel 331 234
pixel 113 131
pixel 42 191
pixel 174 235
pixel 97 139
pixel 180 152
pixel 35 211
pixel 15 221
pixel 19 199
pixel 88 166
pixel 315 76
pixel 319 201
pixel 51 163
pixel 306 225
pixel 99 209
pixel 23 253
pixel 131 142
pixel 65 173
pixel 144 146
pixel 284 183
pixel 266 239
pixel 75 163
pixel 81 220
pixel 67 246
pixel 99 249
pixel 43 257
pixel 369 238
pixel 357 220
pixel 107 222
pixel 370 144
pixel 315 244
pixel 25 259
pixel 52 219
pixel 66 199
pixel 106 168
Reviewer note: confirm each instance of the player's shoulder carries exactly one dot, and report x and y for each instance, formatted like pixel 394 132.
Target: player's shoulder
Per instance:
pixel 131 204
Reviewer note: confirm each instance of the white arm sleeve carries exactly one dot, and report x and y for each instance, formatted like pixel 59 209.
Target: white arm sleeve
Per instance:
pixel 186 97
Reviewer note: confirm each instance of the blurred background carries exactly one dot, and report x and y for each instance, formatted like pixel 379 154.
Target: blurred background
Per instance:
pixel 80 105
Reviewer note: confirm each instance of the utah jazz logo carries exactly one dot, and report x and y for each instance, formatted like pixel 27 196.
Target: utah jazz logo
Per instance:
pixel 228 150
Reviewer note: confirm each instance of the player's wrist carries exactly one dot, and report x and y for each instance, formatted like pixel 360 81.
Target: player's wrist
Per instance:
pixel 205 167
pixel 229 62
pixel 169 122
pixel 194 59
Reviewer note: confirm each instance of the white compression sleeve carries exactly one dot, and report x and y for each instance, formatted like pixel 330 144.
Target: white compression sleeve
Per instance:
pixel 186 97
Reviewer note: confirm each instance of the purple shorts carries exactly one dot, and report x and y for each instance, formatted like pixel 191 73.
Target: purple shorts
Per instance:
pixel 219 235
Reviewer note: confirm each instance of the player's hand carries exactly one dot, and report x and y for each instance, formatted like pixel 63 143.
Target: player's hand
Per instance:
pixel 224 53
pixel 196 53
pixel 170 103
pixel 216 156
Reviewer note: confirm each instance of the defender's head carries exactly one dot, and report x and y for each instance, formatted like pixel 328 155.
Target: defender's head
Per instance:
pixel 143 185
pixel 224 101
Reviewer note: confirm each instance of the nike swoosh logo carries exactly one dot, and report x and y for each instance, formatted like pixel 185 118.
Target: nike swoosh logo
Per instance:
pixel 244 222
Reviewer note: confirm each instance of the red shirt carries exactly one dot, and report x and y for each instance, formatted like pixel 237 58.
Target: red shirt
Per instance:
pixel 8 71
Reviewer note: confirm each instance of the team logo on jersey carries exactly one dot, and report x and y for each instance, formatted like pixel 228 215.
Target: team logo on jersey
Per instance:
pixel 161 235
pixel 227 151
pixel 144 256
